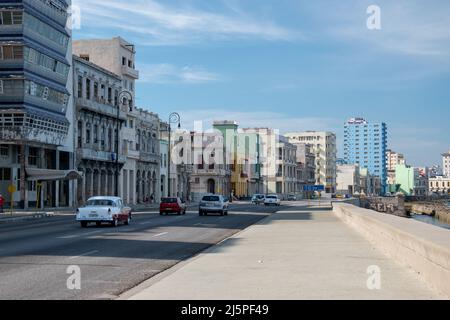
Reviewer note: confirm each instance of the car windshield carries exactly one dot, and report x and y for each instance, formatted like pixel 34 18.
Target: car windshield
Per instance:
pixel 169 200
pixel 211 198
pixel 100 203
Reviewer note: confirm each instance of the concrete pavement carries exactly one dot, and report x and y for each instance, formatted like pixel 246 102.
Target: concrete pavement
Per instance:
pixel 298 253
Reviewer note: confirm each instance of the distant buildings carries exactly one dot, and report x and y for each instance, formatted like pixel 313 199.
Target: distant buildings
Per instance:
pixel 348 179
pixel 439 185
pixel 446 164
pixel 366 144
pixel 325 150
pixel 392 160
pixel 411 181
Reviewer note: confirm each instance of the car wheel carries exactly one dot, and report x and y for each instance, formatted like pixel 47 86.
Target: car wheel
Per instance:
pixel 222 213
pixel 179 213
pixel 128 221
pixel 115 223
pixel 84 224
pixel 184 212
pixel 98 224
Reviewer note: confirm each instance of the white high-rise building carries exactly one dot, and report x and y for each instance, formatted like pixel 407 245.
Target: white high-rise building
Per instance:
pixel 325 149
pixel 446 164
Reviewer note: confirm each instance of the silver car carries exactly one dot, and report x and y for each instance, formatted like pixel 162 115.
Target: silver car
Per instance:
pixel 213 204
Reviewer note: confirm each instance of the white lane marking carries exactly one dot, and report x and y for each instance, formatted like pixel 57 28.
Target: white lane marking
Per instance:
pixel 198 224
pixel 84 254
pixel 160 234
pixel 80 235
pixel 148 222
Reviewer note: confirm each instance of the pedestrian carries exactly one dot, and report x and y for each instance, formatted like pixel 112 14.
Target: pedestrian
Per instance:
pixel 2 203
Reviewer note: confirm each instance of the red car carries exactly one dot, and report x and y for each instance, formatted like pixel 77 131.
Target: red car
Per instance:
pixel 172 205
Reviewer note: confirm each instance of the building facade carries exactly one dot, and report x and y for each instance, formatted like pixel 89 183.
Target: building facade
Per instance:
pixel 392 160
pixel 348 179
pixel 325 151
pixel 411 181
pixel 36 109
pixel 99 120
pixel 439 185
pixel 211 174
pixel 366 144
pixel 446 164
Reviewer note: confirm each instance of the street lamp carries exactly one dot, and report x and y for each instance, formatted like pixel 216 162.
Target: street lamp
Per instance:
pixel 124 94
pixel 173 118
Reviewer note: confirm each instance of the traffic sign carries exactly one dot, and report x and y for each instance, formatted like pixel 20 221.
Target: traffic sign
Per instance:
pixel 314 188
pixel 12 188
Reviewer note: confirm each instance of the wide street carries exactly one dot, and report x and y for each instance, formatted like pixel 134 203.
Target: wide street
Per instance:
pixel 35 255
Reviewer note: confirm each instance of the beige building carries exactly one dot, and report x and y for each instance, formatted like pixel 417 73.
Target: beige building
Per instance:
pixel 440 185
pixel 392 160
pixel 210 172
pixel 140 138
pixel 325 151
pixel 348 179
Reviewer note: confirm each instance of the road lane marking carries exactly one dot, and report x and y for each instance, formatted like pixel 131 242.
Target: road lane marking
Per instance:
pixel 84 254
pixel 80 235
pixel 160 234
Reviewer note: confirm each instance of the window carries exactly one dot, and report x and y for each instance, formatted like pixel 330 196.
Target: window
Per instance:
pixel 80 87
pixel 95 90
pixel 124 61
pixel 109 95
pixel 11 17
pixel 11 52
pixel 50 33
pixel 1 86
pixel 88 133
pixel 80 134
pixel 4 151
pixel 95 134
pixel 84 57
pixel 33 156
pixel 88 89
pixel 5 174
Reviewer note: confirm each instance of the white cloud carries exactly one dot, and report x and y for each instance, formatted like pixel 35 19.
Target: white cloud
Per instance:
pixel 168 73
pixel 160 24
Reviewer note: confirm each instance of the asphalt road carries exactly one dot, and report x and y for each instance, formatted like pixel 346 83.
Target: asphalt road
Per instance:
pixel 35 255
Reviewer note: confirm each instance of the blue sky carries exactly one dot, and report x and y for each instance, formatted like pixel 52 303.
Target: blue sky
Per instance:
pixel 291 64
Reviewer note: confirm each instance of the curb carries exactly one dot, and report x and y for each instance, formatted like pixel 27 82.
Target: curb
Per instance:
pixel 25 218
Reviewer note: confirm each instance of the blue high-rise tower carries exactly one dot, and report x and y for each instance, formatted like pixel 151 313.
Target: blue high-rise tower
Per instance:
pixel 366 144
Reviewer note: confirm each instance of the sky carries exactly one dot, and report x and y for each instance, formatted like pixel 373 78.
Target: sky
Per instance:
pixel 293 65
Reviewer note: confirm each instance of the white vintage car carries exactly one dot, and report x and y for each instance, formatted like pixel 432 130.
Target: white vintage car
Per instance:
pixel 104 209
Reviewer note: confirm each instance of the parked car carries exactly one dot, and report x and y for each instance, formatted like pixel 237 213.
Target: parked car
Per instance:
pixel 258 199
pixel 172 205
pixel 272 200
pixel 213 204
pixel 292 197
pixel 104 209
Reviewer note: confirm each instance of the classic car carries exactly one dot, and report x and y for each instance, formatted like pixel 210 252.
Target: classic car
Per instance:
pixel 104 209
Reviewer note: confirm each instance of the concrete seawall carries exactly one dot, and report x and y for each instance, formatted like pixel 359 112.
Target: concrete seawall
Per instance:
pixel 439 210
pixel 424 248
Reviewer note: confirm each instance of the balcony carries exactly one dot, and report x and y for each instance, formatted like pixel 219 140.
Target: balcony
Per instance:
pixel 149 157
pixel 99 106
pixel 15 29
pixel 37 37
pixel 91 154
pixel 53 13
pixel 133 73
pixel 46 73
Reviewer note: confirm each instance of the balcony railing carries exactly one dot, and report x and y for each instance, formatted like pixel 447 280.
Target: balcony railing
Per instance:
pixel 60 16
pixel 91 154
pixel 98 105
pixel 130 72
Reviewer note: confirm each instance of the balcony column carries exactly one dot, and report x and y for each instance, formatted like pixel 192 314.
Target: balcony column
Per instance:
pixel 83 87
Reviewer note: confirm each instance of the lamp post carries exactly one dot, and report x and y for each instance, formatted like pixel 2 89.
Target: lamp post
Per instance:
pixel 122 96
pixel 173 118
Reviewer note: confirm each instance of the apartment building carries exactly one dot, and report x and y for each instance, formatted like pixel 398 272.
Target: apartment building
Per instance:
pixel 325 150
pixel 36 109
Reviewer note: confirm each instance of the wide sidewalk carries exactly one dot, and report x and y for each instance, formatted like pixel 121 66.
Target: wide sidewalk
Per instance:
pixel 299 253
